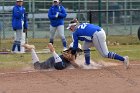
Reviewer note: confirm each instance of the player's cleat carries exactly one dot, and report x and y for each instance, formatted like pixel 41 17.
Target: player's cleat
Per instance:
pixel 15 52
pixel 126 62
pixel 27 46
pixel 51 48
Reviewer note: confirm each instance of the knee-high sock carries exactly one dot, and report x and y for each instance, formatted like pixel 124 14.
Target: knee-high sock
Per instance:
pixel 14 45
pixel 56 57
pixel 18 45
pixel 64 42
pixel 87 56
pixel 51 41
pixel 115 56
pixel 34 56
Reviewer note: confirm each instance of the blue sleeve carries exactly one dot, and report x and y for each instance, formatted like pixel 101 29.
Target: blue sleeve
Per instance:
pixel 75 41
pixel 50 15
pixel 16 13
pixel 25 20
pixel 63 13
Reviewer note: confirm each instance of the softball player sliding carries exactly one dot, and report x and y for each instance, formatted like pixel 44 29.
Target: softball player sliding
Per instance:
pixel 58 62
pixel 92 35
pixel 19 24
pixel 56 15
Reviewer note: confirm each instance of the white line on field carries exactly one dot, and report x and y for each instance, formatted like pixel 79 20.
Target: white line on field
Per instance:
pixel 23 72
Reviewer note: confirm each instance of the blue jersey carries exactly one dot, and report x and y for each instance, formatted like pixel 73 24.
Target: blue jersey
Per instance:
pixel 19 16
pixel 84 32
pixel 62 14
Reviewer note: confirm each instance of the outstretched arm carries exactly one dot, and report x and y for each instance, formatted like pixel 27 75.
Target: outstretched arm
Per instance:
pixel 72 61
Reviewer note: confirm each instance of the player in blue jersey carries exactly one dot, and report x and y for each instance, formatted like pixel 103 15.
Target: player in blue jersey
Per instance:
pixel 19 24
pixel 92 35
pixel 56 15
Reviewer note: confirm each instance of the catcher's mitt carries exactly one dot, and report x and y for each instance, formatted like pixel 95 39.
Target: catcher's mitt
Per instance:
pixel 67 55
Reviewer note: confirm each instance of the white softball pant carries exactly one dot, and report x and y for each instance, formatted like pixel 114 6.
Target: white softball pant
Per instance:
pixel 99 42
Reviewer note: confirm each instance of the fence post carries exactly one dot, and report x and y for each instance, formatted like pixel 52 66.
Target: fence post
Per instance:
pixel 90 16
pixel 33 12
pixel 99 8
pixel 3 20
pixel 0 35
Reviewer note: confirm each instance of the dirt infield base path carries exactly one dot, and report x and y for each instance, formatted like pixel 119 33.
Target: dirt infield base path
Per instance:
pixel 106 80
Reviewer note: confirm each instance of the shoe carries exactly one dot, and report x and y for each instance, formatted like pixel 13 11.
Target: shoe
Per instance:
pixel 126 62
pixel 51 48
pixel 87 66
pixel 27 46
pixel 15 52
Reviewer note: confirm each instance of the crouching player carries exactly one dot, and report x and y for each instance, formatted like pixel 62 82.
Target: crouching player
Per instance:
pixel 58 62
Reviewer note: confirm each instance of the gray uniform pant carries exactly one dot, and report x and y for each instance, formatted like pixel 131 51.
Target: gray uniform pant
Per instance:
pixel 60 31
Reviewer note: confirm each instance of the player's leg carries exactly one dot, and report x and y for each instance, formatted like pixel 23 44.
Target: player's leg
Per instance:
pixel 17 40
pixel 35 59
pixel 22 43
pixel 55 55
pixel 99 40
pixel 86 48
pixel 58 63
pixel 33 53
pixel 62 35
pixel 52 33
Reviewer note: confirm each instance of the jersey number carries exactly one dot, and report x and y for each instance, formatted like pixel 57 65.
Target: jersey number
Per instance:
pixel 83 26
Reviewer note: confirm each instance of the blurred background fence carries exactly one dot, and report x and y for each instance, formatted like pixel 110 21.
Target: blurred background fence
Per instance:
pixel 117 17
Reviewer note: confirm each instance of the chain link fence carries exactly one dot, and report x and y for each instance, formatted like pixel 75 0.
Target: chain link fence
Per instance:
pixel 118 17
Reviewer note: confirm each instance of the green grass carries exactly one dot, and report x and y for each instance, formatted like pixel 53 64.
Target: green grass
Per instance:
pixel 124 50
pixel 129 45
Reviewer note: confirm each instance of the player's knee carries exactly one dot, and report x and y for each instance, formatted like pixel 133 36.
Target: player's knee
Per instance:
pixel 104 55
pixel 37 65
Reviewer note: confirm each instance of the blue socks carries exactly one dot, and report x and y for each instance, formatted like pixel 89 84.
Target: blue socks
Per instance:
pixel 64 42
pixel 16 44
pixel 87 56
pixel 51 41
pixel 115 56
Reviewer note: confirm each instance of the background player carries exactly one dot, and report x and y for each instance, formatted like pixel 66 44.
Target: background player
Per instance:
pixel 56 15
pixel 92 35
pixel 19 24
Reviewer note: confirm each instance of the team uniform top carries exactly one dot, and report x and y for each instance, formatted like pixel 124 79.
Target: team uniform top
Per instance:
pixel 84 32
pixel 62 14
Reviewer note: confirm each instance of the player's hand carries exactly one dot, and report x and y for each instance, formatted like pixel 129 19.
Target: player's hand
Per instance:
pixel 57 13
